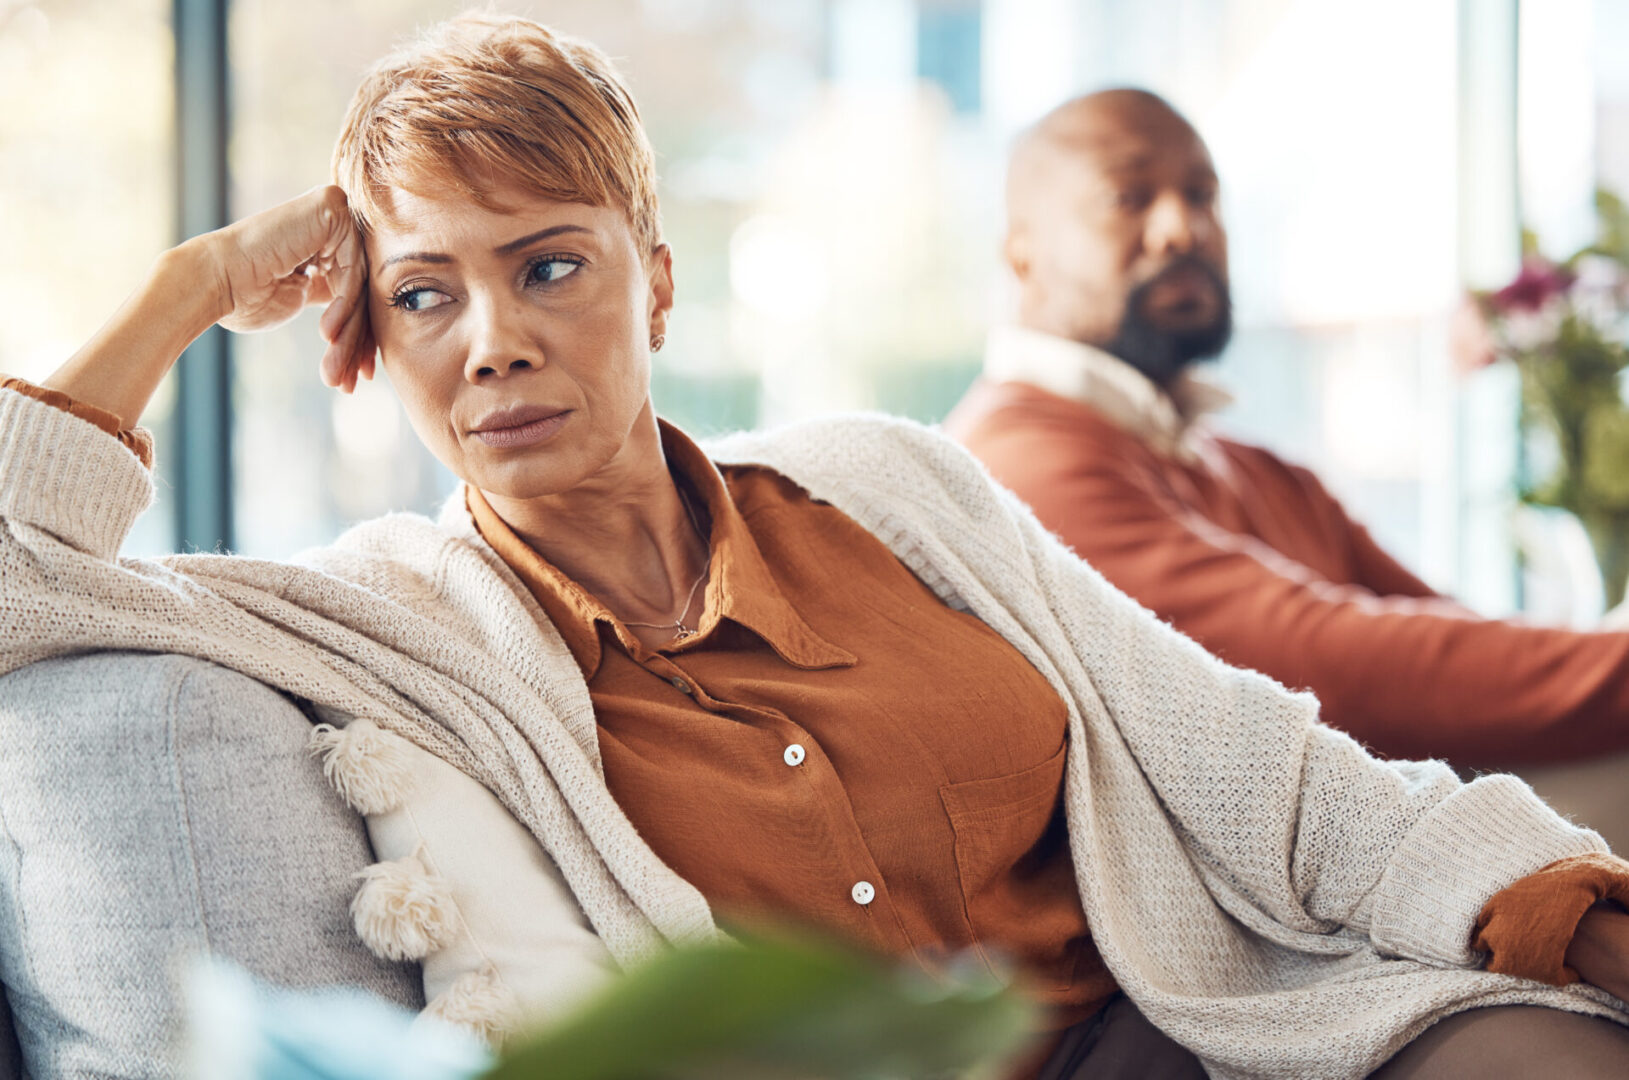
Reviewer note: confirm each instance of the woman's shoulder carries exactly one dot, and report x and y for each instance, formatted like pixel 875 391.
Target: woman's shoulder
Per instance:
pixel 872 451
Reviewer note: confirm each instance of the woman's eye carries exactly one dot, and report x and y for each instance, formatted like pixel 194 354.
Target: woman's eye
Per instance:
pixel 553 269
pixel 419 299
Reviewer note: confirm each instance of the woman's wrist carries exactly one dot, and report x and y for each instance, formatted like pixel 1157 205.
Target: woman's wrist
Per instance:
pixel 1599 951
pixel 119 369
pixel 191 274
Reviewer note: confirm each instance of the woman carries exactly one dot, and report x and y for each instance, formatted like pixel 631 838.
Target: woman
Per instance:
pixel 829 673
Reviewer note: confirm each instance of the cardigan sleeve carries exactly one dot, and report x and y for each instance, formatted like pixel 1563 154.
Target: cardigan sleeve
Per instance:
pixel 138 441
pixel 1297 830
pixel 69 494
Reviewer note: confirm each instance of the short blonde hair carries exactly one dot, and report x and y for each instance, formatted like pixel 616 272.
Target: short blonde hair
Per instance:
pixel 485 99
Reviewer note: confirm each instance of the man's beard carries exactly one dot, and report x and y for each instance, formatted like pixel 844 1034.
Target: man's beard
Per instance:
pixel 1160 353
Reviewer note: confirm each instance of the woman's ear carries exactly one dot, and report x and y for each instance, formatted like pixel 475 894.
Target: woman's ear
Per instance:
pixel 661 290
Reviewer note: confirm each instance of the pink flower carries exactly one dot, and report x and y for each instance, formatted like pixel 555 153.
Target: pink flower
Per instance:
pixel 1535 286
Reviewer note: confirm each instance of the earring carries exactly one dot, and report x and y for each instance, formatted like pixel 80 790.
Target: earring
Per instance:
pixel 657 342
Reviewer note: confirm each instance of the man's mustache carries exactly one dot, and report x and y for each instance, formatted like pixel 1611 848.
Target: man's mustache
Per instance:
pixel 1179 265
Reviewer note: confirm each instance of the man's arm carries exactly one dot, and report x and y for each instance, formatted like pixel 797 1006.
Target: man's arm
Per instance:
pixel 1372 565
pixel 1410 676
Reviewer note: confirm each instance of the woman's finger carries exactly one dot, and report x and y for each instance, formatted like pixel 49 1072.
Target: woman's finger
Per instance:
pixel 347 352
pixel 345 280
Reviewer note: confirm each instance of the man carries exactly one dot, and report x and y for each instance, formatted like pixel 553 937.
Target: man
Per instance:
pixel 1090 411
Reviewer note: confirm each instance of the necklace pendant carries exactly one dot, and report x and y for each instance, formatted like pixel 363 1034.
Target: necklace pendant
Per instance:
pixel 684 633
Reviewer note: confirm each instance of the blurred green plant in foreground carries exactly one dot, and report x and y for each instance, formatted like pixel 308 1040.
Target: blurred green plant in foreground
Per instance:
pixel 765 1008
pixel 779 1008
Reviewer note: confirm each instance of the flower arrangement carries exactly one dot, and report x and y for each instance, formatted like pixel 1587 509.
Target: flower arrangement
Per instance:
pixel 1565 325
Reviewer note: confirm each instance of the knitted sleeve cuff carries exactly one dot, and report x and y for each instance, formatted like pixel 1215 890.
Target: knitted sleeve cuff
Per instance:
pixel 62 474
pixel 138 441
pixel 1525 929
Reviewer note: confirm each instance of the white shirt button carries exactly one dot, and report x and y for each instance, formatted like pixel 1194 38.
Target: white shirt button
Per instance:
pixel 863 892
pixel 794 755
pixel 680 685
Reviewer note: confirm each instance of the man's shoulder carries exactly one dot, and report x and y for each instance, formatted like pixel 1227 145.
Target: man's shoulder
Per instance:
pixel 991 409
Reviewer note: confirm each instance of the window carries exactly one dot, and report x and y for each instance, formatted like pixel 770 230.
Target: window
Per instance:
pixel 831 177
pixel 85 183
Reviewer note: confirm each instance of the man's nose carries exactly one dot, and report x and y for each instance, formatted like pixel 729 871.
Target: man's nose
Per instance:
pixel 1174 226
pixel 499 343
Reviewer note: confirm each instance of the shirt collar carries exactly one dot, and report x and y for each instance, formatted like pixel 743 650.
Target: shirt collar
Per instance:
pixel 740 587
pixel 1112 387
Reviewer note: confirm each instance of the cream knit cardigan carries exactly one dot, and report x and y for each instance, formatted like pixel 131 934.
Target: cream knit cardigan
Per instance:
pixel 1268 894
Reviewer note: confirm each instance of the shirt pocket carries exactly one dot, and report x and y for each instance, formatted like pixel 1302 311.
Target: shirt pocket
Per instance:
pixel 1017 879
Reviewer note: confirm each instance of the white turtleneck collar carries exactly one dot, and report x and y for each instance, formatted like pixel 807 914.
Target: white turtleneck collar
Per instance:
pixel 1164 419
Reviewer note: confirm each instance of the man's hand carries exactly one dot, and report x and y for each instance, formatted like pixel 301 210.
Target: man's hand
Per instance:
pixel 1600 949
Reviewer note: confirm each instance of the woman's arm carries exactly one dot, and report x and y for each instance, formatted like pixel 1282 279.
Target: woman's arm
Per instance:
pixel 251 275
pixel 1298 832
pixel 70 491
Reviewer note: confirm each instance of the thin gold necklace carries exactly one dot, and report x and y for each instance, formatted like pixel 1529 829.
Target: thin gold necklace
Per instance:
pixel 681 632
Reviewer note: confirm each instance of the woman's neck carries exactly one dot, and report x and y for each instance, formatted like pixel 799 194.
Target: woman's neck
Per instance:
pixel 626 535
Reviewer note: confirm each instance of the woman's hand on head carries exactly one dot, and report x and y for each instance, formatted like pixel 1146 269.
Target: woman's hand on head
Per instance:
pixel 251 275
pixel 269 266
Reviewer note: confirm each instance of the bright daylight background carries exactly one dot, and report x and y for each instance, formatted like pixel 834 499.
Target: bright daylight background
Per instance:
pixel 831 178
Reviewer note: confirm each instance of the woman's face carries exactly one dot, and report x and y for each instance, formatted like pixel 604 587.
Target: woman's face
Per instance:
pixel 518 339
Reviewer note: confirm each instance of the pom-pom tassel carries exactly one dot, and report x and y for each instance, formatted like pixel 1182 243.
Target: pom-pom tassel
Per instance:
pixel 478 1002
pixel 401 912
pixel 367 765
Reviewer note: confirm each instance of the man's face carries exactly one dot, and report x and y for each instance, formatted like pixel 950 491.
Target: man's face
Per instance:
pixel 1116 238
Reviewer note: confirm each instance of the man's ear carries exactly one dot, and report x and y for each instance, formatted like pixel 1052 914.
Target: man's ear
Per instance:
pixel 1016 250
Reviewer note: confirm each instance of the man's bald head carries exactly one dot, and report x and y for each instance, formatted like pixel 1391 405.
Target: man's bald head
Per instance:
pixel 1113 233
pixel 1094 127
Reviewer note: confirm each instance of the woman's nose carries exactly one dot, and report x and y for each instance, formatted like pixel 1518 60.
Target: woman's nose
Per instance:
pixel 500 345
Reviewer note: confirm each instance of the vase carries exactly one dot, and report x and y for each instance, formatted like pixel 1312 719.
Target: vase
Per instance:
pixel 1609 538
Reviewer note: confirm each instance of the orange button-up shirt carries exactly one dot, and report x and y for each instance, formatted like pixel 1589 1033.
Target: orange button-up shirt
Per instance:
pixel 836 746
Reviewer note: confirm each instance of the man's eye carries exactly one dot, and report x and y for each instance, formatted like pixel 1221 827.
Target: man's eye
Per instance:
pixel 553 269
pixel 419 299
pixel 1135 198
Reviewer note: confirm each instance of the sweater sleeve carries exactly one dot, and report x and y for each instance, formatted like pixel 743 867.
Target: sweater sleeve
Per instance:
pixel 1526 928
pixel 138 441
pixel 69 494
pixel 1411 676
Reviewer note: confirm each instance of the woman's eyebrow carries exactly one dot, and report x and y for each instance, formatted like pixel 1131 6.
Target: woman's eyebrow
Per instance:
pixel 542 234
pixel 504 249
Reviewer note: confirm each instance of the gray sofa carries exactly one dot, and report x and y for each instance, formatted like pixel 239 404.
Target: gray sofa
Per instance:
pixel 152 807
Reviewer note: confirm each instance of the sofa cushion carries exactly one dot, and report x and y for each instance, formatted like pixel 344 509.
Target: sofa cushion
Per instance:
pixel 11 1059
pixel 153 806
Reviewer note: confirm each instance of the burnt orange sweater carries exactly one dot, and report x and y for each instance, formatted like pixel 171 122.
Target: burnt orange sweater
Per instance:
pixel 1254 559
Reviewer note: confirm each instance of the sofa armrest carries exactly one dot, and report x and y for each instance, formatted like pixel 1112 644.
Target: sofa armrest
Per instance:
pixel 153 806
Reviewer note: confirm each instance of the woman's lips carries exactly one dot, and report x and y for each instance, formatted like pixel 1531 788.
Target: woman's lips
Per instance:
pixel 528 434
